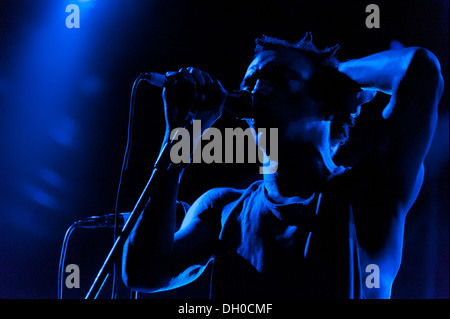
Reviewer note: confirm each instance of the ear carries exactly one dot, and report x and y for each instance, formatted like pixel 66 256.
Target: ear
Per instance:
pixel 365 96
pixel 356 99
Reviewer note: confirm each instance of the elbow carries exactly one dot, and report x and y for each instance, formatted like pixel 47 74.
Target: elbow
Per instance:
pixel 141 275
pixel 427 59
pixel 130 276
pixel 142 279
pixel 135 282
pixel 130 271
pixel 129 279
pixel 430 69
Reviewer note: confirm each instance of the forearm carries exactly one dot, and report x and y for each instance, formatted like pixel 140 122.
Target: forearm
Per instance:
pixel 153 233
pixel 380 71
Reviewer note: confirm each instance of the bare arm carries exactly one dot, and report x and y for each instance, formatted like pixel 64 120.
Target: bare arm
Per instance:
pixel 155 256
pixel 153 234
pixel 390 179
pixel 412 77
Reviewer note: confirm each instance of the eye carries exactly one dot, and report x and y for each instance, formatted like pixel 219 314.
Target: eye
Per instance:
pixel 273 76
pixel 281 78
pixel 276 77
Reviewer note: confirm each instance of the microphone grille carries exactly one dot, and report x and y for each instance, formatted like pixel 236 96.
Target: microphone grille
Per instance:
pixel 155 79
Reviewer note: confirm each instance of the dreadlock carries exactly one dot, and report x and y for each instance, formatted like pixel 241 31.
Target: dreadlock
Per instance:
pixel 305 46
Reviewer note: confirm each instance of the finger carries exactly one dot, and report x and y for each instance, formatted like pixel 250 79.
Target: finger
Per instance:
pixel 170 76
pixel 197 74
pixel 208 79
pixel 186 75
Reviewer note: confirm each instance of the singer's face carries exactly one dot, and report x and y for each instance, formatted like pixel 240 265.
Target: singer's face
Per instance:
pixel 278 80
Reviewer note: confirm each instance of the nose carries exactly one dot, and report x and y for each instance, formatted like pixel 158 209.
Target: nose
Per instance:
pixel 263 87
pixel 257 86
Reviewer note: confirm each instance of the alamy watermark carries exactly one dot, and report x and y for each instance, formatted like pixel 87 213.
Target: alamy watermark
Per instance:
pixel 73 277
pixel 373 19
pixel 373 277
pixel 73 18
pixel 226 149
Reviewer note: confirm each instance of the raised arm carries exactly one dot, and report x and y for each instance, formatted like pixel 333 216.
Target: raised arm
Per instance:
pixel 413 79
pixel 156 256
pixel 389 179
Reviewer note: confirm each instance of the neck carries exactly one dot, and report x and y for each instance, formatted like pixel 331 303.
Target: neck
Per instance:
pixel 302 173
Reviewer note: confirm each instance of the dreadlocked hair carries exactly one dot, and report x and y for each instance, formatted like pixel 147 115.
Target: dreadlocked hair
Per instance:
pixel 305 46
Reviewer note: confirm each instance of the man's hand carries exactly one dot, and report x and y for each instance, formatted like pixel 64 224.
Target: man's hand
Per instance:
pixel 192 94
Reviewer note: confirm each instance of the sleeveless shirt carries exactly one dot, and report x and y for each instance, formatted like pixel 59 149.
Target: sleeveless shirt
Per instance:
pixel 260 255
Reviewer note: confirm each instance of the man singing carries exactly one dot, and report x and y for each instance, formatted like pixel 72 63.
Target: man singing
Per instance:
pixel 310 228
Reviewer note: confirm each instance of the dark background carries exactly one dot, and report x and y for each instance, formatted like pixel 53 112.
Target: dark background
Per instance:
pixel 64 97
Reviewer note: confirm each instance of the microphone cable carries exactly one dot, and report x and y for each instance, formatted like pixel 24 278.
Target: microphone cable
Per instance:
pixel 116 225
pixel 122 170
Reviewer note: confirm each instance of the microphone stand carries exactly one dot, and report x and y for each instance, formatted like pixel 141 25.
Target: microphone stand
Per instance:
pixel 162 165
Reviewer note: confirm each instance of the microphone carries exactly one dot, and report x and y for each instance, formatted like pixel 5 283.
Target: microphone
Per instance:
pixel 238 103
pixel 104 221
